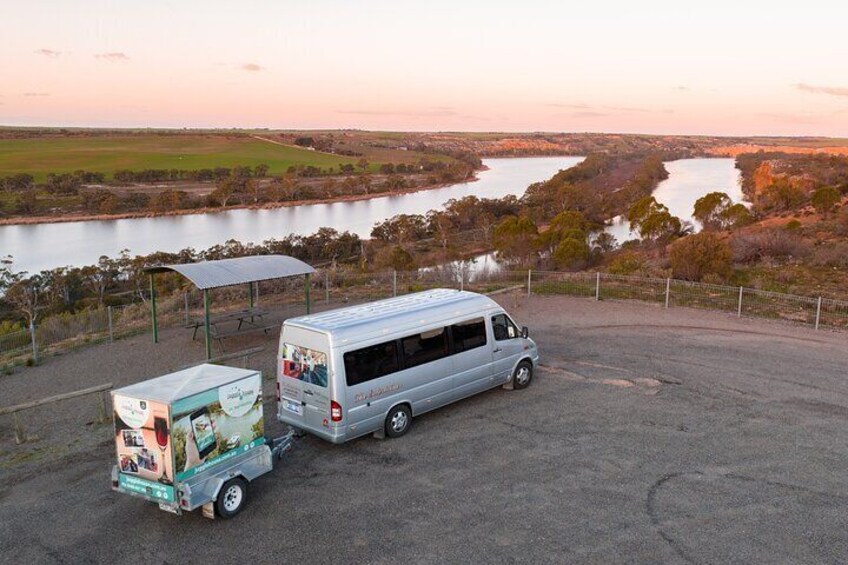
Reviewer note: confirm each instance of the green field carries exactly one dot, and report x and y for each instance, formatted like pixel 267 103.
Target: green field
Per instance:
pixel 107 154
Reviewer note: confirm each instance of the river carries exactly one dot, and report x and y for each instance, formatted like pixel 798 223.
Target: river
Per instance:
pixel 46 246
pixel 688 180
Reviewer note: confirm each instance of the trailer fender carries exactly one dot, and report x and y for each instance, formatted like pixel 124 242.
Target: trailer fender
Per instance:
pixel 213 487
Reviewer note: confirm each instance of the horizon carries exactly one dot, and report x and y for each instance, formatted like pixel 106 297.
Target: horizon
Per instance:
pixel 722 70
pixel 222 129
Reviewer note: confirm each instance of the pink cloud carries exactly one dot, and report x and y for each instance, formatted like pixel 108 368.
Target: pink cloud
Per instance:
pixel 251 67
pixel 48 53
pixel 114 56
pixel 832 90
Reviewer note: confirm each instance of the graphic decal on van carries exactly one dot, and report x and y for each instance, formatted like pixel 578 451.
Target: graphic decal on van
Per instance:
pixel 375 392
pixel 304 364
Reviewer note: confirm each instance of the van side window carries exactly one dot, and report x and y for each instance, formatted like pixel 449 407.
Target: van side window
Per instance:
pixel 425 347
pixel 371 362
pixel 469 335
pixel 503 327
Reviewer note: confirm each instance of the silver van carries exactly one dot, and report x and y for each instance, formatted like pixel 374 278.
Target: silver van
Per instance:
pixel 370 368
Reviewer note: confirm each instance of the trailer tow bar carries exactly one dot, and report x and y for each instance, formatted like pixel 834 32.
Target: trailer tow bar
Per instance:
pixel 282 445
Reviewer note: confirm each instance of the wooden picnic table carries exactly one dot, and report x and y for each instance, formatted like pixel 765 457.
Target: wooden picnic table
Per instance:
pixel 247 316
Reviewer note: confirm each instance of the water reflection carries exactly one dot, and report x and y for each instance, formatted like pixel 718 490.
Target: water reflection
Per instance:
pixel 688 180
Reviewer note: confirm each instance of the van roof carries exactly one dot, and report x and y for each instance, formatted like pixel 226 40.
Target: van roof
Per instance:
pixel 365 321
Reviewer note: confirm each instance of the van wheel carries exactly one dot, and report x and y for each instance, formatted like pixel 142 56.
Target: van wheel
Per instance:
pixel 231 498
pixel 398 421
pixel 522 376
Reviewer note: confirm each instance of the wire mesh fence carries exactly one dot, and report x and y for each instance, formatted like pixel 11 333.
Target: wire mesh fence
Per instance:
pixel 332 288
pixel 15 344
pixel 754 303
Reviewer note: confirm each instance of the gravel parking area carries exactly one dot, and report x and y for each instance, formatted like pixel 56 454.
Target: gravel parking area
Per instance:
pixel 649 435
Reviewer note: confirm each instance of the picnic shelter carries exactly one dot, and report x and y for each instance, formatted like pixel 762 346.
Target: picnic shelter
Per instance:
pixel 206 275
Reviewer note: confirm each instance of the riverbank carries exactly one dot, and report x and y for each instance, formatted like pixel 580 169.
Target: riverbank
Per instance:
pixel 74 217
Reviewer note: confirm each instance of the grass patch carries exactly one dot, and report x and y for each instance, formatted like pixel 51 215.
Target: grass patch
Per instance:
pixel 23 457
pixel 107 154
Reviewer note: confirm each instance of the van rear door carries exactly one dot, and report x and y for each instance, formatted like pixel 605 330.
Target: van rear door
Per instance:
pixel 303 379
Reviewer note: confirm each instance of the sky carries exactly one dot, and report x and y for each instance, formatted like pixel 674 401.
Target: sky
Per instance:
pixel 717 68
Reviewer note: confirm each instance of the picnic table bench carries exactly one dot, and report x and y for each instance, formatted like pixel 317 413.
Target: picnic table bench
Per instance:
pixel 248 316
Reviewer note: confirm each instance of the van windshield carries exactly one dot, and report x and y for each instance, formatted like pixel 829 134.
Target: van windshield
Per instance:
pixel 304 364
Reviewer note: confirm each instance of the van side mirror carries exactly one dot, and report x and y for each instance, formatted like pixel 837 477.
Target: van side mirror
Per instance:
pixel 525 332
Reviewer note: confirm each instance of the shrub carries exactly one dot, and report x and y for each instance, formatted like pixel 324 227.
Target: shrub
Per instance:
pixel 571 253
pixel 626 264
pixel 756 245
pixel 834 256
pixel 395 257
pixel 825 198
pixel 696 256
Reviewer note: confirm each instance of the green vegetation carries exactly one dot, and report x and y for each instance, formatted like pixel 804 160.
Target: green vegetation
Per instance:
pixel 824 199
pixel 98 173
pixel 108 154
pixel 700 256
pixel 716 211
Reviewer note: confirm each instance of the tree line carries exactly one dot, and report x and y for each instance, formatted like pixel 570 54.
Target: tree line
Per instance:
pixel 236 185
pixel 26 297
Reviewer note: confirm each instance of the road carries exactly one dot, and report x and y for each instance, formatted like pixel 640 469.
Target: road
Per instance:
pixel 648 436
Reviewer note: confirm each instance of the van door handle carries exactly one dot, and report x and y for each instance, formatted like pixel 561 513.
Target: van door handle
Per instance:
pixel 497 350
pixel 309 392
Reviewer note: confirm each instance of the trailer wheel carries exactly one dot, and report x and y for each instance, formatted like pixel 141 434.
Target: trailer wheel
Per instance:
pixel 231 498
pixel 522 376
pixel 398 421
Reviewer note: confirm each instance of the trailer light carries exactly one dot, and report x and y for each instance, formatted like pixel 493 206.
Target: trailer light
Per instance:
pixel 335 411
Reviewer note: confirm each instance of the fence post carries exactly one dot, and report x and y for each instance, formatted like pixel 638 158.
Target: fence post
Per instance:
pixel 394 282
pixel 529 278
pixel 818 312
pixel 109 315
pixel 20 433
pixel 598 286
pixel 739 308
pixel 34 344
pixel 667 290
pixel 461 279
pixel 102 414
pixel 327 286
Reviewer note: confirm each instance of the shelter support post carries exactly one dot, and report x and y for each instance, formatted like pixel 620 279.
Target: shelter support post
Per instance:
pixel 153 310
pixel 306 292
pixel 250 294
pixel 206 323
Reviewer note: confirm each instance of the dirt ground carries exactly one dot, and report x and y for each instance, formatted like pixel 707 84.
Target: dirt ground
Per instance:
pixel 648 435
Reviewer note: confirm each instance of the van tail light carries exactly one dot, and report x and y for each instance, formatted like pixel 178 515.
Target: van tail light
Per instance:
pixel 278 391
pixel 335 411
